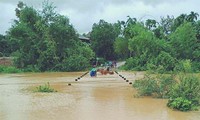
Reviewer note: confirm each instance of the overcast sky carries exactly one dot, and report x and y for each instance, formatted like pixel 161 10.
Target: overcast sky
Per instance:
pixel 84 13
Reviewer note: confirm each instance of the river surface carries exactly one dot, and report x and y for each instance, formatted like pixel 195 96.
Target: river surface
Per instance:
pixel 105 97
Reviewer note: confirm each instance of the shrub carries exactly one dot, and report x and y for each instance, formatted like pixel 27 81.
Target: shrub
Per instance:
pixel 146 86
pixel 183 93
pixel 75 63
pixel 130 63
pixel 151 67
pixel 160 69
pixel 31 68
pixel 166 60
pixel 188 89
pixel 9 69
pixel 196 66
pixel 135 63
pixel 165 84
pixel 158 86
pixel 45 88
pixel 184 66
pixel 180 103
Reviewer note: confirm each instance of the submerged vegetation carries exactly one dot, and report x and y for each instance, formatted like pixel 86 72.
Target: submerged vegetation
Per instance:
pixel 45 88
pixel 185 95
pixel 157 86
pixel 183 90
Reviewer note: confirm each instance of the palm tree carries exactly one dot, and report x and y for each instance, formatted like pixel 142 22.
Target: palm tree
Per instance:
pixel 192 16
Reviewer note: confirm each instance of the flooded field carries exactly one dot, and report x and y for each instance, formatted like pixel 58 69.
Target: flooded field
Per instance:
pixel 106 97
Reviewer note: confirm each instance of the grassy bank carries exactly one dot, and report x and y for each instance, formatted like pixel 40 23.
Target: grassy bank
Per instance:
pixel 9 69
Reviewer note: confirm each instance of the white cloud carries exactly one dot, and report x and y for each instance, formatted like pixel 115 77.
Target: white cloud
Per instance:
pixel 7 15
pixel 83 13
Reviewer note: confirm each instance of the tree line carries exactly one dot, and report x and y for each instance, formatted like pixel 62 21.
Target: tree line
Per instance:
pixel 46 41
pixel 166 45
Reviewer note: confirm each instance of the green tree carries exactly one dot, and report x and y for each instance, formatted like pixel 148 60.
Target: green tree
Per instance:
pixel 143 41
pixel 47 40
pixel 145 47
pixel 151 24
pixel 127 33
pixel 121 47
pixel 184 41
pixel 192 16
pixel 103 36
pixel 167 24
pixel 179 21
pixel 3 45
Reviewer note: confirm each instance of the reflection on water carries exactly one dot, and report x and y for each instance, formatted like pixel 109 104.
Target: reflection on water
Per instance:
pixel 101 98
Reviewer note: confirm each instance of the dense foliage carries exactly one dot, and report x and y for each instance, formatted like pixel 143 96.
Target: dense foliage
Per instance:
pixel 158 86
pixel 185 95
pixel 5 46
pixel 153 45
pixel 103 36
pixel 9 69
pixel 46 41
pixel 183 90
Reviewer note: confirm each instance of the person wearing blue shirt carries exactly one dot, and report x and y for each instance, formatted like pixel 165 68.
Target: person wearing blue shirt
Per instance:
pixel 93 72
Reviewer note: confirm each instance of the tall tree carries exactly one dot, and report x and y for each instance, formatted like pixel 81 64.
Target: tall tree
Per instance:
pixel 48 41
pixel 192 16
pixel 179 21
pixel 121 47
pixel 184 41
pixel 103 36
pixel 151 24
pixel 3 45
pixel 167 24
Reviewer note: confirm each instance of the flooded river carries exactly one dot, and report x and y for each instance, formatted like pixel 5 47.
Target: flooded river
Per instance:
pixel 106 97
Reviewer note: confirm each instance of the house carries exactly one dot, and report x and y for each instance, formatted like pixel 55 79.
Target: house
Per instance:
pixel 84 39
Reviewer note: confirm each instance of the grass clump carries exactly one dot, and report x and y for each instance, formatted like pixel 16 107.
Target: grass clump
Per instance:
pixel 45 88
pixel 9 69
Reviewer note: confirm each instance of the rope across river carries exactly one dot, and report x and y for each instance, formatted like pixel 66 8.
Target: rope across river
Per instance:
pixel 124 78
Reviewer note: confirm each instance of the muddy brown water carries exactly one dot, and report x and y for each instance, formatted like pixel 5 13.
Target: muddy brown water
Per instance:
pixel 105 97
